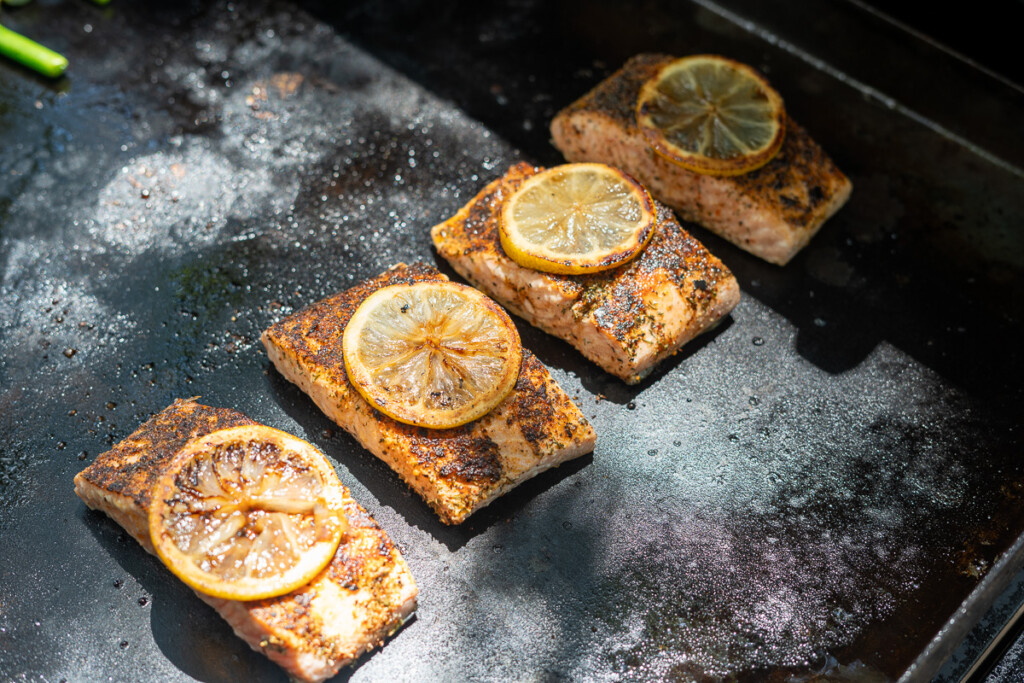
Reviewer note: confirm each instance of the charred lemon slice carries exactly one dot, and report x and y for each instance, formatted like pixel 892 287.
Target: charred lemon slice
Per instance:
pixel 247 513
pixel 711 115
pixel 575 219
pixel 432 354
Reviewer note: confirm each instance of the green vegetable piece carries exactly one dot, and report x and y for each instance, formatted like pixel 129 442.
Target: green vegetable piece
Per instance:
pixel 31 54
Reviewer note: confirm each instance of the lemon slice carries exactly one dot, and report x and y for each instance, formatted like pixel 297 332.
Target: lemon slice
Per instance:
pixel 577 218
pixel 247 513
pixel 711 115
pixel 432 354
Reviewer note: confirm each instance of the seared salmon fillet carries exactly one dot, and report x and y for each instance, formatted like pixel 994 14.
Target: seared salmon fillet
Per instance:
pixel 456 471
pixel 360 598
pixel 772 212
pixel 625 319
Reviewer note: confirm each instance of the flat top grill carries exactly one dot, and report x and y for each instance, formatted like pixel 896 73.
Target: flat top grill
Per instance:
pixel 817 486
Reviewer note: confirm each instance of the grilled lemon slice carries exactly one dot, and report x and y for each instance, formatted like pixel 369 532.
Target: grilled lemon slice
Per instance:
pixel 577 218
pixel 247 513
pixel 432 354
pixel 711 115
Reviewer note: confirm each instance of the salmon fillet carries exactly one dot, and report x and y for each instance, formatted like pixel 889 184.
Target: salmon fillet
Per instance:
pixel 456 471
pixel 626 319
pixel 364 594
pixel 772 212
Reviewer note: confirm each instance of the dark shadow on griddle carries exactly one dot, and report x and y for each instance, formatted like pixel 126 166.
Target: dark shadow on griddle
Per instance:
pixel 613 389
pixel 188 632
pixel 388 488
pixel 554 552
pixel 59 85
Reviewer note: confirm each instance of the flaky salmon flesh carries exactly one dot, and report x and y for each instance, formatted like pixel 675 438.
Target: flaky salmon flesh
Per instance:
pixel 626 319
pixel 772 211
pixel 360 598
pixel 456 471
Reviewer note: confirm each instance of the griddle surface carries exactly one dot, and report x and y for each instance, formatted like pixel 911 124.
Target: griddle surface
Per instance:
pixel 815 486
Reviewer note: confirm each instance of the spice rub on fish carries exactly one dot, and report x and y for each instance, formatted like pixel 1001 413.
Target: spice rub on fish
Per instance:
pixel 772 211
pixel 457 471
pixel 626 319
pixel 361 597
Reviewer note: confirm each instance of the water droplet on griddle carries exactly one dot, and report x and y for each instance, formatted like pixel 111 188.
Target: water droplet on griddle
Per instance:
pixel 61 445
pixel 566 525
pixel 124 644
pixel 83 455
pixel 631 405
pixel 758 341
pixel 68 352
pixel 118 583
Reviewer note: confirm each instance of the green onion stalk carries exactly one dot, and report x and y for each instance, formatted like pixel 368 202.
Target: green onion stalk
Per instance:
pixel 30 53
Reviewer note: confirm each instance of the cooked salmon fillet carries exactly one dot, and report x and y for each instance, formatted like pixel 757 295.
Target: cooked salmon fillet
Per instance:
pixel 456 471
pixel 626 319
pixel 772 212
pixel 360 598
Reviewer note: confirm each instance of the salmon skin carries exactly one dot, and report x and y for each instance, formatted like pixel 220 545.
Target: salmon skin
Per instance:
pixel 363 595
pixel 456 471
pixel 772 211
pixel 626 319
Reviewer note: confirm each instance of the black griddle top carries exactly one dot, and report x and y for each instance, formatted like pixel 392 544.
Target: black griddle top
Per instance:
pixel 817 486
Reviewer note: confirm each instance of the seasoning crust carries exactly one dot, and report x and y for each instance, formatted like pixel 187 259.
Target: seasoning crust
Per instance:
pixel 772 211
pixel 625 319
pixel 361 597
pixel 456 471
